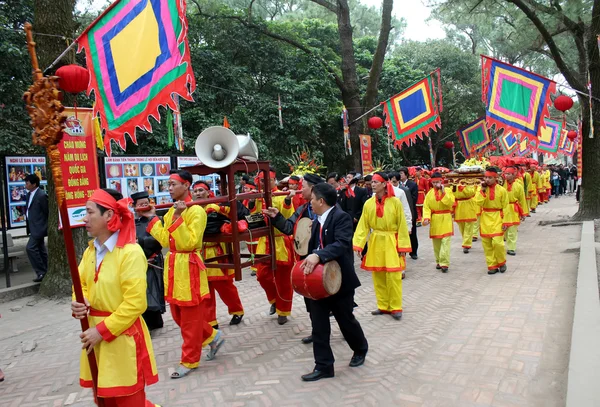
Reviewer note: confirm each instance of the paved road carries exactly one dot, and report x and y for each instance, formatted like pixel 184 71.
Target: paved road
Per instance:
pixel 466 339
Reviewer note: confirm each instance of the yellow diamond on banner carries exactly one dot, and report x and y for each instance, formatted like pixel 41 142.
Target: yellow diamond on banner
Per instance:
pixel 545 134
pixel 131 63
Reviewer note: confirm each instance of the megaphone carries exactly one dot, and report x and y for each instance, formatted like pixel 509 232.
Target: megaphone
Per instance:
pixel 248 149
pixel 217 147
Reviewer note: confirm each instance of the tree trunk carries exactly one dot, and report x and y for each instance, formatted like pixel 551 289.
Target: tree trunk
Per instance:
pixel 56 17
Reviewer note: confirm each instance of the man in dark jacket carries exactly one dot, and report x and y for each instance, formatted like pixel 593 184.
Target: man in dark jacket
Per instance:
pixel 36 214
pixel 414 193
pixel 331 239
pixel 352 199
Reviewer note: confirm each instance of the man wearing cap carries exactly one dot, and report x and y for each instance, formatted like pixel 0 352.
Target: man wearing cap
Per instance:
pixel 277 284
pixel 219 281
pixel 465 213
pixel 517 209
pixel 113 280
pixel 437 209
pixel 493 200
pixel 384 224
pixel 423 188
pixel 153 251
pixel 186 283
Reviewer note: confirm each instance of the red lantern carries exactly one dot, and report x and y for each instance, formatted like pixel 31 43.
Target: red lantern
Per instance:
pixel 572 135
pixel 493 148
pixel 73 78
pixel 375 122
pixel 563 103
pixel 449 145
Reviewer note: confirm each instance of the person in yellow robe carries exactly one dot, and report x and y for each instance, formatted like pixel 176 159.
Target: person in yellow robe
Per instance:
pixel 533 189
pixel 383 222
pixel 546 174
pixel 517 209
pixel 277 283
pixel 186 283
pixel 113 280
pixel 527 183
pixel 478 221
pixel 541 186
pixel 465 213
pixel 493 200
pixel 437 210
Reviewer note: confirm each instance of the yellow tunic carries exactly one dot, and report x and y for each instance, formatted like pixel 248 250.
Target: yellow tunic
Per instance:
pixel 117 300
pixel 547 184
pixel 494 204
pixel 529 184
pixel 541 184
pixel 438 208
pixel 215 249
pixel 517 205
pixel 465 208
pixel 185 278
pixel 389 236
pixel 283 243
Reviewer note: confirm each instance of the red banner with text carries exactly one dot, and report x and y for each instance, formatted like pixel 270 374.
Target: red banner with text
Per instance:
pixel 366 154
pixel 79 164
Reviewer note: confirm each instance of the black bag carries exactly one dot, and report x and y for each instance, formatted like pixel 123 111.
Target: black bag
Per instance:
pixel 214 222
pixel 256 220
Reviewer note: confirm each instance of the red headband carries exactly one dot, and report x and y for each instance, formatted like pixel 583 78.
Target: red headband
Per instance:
pixel 293 182
pixel 490 174
pixel 203 185
pixel 250 186
pixel 176 177
pixel 378 178
pixel 436 179
pixel 271 174
pixel 510 170
pixel 122 220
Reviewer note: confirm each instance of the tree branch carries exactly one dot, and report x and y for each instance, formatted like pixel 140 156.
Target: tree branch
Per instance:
pixel 327 5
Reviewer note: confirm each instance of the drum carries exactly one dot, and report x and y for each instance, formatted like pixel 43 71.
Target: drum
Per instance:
pixel 325 280
pixel 302 236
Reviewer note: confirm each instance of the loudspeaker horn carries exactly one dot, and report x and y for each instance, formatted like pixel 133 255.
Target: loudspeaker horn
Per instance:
pixel 217 147
pixel 248 149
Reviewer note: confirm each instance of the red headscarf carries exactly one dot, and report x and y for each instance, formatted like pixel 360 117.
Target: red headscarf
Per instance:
pixel 380 206
pixel 122 220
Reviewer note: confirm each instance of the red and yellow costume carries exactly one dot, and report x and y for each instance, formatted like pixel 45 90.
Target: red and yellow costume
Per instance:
pixel 277 283
pixel 465 213
pixel 493 201
pixel 423 185
pixel 186 282
pixel 438 209
pixel 517 209
pixel 116 291
pixel 529 188
pixel 383 222
pixel 546 175
pixel 541 187
pixel 535 180
pixel 297 199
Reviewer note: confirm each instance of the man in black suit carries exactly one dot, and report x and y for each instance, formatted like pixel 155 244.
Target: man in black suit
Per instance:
pixel 331 239
pixel 414 193
pixel 36 214
pixel 352 199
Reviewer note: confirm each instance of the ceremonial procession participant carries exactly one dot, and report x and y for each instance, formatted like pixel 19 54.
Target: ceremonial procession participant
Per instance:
pixel 529 188
pixel 219 280
pixel 383 222
pixel 277 284
pixel 295 184
pixel 423 188
pixel 465 213
pixel 288 226
pixel 546 174
pixel 478 210
pixel 113 280
pixel 331 239
pixel 535 179
pixel 249 187
pixel 153 252
pixel 517 209
pixel 493 200
pixel 186 284
pixel 401 194
pixel 437 210
pixel 414 194
pixel 541 186
pixel 352 199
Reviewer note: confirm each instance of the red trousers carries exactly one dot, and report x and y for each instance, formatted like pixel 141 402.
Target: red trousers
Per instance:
pixel 195 330
pixel 230 296
pixel 277 285
pixel 134 400
pixel 419 213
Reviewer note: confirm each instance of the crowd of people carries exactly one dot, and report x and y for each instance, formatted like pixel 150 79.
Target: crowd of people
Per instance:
pixel 127 282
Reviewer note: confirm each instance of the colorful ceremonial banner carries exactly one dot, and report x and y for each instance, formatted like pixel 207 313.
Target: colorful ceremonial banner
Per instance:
pixel 473 137
pixel 524 148
pixel 78 162
pixel 17 168
pixel 516 100
pixel 366 154
pixel 129 175
pixel 414 111
pixel 549 137
pixel 138 57
pixel 509 142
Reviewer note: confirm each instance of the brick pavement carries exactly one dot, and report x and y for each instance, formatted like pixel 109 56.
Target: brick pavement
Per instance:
pixel 466 339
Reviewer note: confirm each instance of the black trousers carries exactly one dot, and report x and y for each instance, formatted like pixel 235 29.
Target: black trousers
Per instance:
pixel 341 306
pixel 414 241
pixel 38 255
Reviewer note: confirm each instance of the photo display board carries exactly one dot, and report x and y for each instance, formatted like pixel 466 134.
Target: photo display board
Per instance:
pixel 17 168
pixel 211 179
pixel 129 175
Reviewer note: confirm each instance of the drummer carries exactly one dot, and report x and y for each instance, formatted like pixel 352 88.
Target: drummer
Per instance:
pixel 290 226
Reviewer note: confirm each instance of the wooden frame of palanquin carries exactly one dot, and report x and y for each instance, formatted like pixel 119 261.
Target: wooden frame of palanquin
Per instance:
pixel 234 258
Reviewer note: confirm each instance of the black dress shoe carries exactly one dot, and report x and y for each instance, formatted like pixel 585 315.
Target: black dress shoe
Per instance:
pixel 444 269
pixel 316 375
pixel 38 279
pixel 438 267
pixel 357 360
pixel 502 269
pixel 272 310
pixel 236 319
pixel 492 271
pixel 397 315
pixel 414 256
pixel 465 250
pixel 377 312
pixel 307 340
pixel 282 319
pixel 511 252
